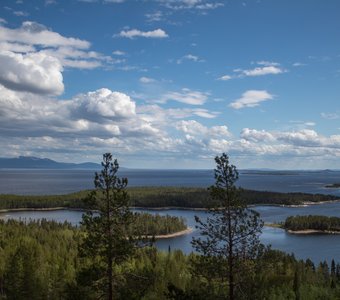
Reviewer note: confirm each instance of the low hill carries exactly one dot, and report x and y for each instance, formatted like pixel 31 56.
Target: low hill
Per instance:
pixel 30 162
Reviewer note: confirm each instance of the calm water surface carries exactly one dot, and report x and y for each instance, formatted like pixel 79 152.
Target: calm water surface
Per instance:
pixel 43 182
pixel 316 247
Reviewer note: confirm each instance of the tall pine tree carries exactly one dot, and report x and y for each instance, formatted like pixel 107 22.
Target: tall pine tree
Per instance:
pixel 106 243
pixel 230 234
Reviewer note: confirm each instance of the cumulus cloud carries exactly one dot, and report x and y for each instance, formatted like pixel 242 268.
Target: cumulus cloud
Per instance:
pixel 33 58
pixel 33 72
pixel 157 33
pixel 251 98
pixel 103 103
pixel 167 116
pixel 105 120
pixel 102 113
pixel 256 135
pixel 191 127
pixel 186 96
pixel 195 128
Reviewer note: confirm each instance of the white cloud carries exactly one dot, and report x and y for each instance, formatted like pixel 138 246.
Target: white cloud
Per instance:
pixel 50 2
pixel 305 137
pixel 191 127
pixel 225 77
pixel 191 4
pixel 147 80
pixel 189 57
pixel 118 52
pixel 186 96
pixel 17 47
pixel 330 116
pixel 32 33
pixel 104 103
pixel 105 120
pixel 260 71
pixel 204 113
pixel 157 33
pixel 20 13
pixel 114 1
pixel 256 135
pixel 251 98
pixel 194 128
pixel 298 64
pixel 155 17
pixel 2 21
pixel 267 63
pixel 33 72
pixel 266 68
pixel 33 58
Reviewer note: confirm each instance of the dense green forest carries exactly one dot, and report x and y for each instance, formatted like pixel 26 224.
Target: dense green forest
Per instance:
pixel 110 255
pixel 314 222
pixel 39 260
pixel 161 197
pixel 150 225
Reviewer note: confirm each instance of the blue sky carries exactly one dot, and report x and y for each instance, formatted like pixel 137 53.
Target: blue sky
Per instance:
pixel 172 83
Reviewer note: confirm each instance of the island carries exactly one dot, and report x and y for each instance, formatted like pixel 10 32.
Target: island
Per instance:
pixel 311 224
pixel 161 198
pixel 333 185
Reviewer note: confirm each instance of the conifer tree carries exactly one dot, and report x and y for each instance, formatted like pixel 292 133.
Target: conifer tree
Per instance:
pixel 231 231
pixel 107 242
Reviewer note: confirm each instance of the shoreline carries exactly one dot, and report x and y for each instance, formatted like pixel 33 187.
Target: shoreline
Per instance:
pixel 304 204
pixel 311 231
pixel 172 235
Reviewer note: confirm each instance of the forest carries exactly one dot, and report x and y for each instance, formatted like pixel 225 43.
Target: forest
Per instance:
pixel 184 197
pixel 313 222
pixel 40 260
pixel 111 254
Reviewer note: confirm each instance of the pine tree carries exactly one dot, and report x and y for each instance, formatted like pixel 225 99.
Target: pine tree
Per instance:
pixel 106 240
pixel 231 231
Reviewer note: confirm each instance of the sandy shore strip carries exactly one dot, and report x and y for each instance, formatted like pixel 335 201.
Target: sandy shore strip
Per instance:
pixel 175 234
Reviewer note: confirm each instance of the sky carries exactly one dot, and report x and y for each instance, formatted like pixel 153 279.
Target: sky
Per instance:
pixel 172 83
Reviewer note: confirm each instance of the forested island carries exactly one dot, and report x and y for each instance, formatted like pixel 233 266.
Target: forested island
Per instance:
pixel 333 185
pixel 161 197
pixel 312 224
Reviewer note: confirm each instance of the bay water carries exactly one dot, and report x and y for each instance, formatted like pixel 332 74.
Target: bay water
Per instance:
pixel 317 247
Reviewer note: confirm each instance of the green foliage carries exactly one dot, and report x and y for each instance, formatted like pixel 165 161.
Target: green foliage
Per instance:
pixel 37 259
pixel 230 234
pixel 151 225
pixel 314 222
pixel 184 197
pixel 107 241
pixel 40 260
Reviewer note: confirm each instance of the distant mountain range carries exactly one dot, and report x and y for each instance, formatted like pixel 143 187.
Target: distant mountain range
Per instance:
pixel 30 162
